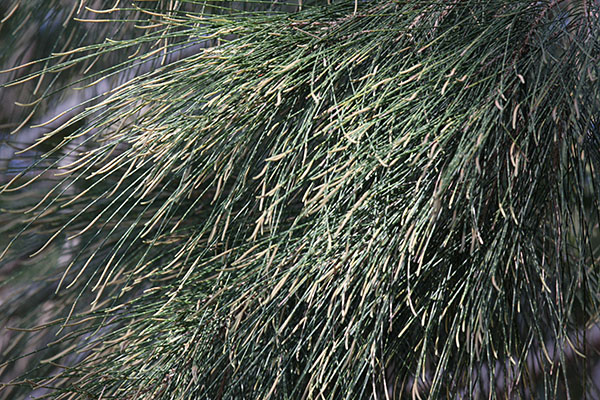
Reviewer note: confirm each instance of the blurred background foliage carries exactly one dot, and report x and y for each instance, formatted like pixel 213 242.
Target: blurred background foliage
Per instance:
pixel 248 199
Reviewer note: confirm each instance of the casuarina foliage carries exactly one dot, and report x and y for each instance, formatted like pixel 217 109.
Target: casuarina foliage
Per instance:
pixel 312 200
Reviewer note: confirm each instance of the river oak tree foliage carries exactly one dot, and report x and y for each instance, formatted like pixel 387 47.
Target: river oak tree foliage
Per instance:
pixel 370 199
